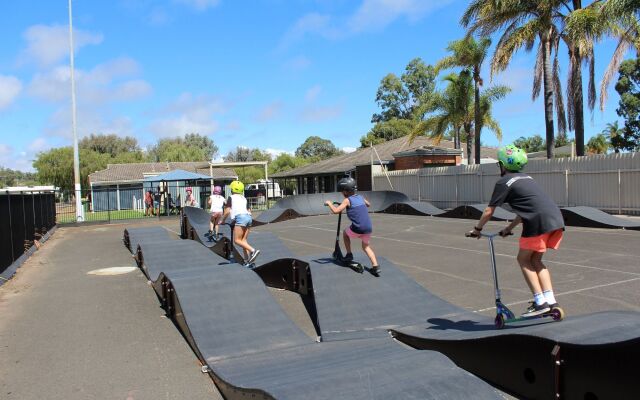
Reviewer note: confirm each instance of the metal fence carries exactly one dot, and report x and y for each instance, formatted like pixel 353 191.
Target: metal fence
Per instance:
pixel 25 217
pixel 108 204
pixel 608 182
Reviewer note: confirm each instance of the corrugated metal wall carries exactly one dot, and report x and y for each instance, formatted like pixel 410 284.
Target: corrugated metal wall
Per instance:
pixel 609 182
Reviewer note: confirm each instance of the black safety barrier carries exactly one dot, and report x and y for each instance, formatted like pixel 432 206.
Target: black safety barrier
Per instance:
pixel 26 217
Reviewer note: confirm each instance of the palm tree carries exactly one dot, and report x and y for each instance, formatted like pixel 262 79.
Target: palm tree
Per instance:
pixel 469 53
pixel 598 144
pixel 614 18
pixel 446 110
pixel 454 110
pixel 611 132
pixel 523 23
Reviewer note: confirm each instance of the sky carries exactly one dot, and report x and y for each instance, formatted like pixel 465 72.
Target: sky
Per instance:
pixel 260 73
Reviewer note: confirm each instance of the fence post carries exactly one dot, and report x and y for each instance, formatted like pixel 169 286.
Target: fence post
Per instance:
pixel 566 187
pixel 13 257
pixel 481 184
pixel 619 192
pixel 109 205
pixel 419 186
pixel 33 208
pixel 457 198
pixel 24 218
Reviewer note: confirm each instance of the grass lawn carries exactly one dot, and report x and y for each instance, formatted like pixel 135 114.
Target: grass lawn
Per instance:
pixel 65 218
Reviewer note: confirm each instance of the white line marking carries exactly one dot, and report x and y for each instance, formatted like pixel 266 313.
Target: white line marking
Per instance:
pixel 497 254
pixel 569 292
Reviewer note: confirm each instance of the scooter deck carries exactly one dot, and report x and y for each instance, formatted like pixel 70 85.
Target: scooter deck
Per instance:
pixel 556 314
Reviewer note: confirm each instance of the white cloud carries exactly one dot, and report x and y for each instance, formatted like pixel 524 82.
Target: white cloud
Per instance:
pixel 321 113
pixel 105 83
pixel 312 94
pixel 276 152
pixel 199 5
pixel 5 150
pixel 269 112
pixel 313 23
pixel 10 88
pixel 377 14
pixel 189 114
pixel 39 144
pixel 89 120
pixel 297 63
pixel 349 149
pixel 158 16
pixel 371 15
pixel 48 44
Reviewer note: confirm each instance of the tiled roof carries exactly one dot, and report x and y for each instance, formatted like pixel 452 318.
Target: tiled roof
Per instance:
pixel 136 172
pixel 347 162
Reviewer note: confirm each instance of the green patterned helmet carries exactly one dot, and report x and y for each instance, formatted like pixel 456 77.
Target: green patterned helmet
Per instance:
pixel 512 158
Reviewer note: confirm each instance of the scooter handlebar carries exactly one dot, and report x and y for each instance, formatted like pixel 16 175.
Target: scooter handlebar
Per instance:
pixel 335 203
pixel 487 235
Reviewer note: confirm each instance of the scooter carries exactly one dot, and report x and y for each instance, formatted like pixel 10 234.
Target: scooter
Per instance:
pixel 212 237
pixel 503 314
pixel 337 252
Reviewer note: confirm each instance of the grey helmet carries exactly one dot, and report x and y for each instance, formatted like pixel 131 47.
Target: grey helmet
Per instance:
pixel 347 184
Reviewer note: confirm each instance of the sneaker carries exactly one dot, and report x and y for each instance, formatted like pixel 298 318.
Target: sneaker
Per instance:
pixel 375 270
pixel 554 305
pixel 348 257
pixel 535 309
pixel 253 256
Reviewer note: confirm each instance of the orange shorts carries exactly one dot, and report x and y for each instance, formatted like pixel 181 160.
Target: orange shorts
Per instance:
pixel 540 243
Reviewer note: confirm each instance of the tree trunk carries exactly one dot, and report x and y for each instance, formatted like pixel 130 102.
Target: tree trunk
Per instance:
pixel 576 81
pixel 467 130
pixel 548 95
pixel 456 138
pixel 476 112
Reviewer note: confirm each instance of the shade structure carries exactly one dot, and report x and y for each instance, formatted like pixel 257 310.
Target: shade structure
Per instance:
pixel 176 176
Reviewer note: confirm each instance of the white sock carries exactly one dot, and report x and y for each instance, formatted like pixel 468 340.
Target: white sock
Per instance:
pixel 548 295
pixel 539 298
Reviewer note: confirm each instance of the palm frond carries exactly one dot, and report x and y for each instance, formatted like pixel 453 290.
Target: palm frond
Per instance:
pixel 612 69
pixel 538 71
pixel 557 94
pixel 591 90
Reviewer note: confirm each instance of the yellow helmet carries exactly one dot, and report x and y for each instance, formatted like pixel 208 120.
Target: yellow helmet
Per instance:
pixel 237 187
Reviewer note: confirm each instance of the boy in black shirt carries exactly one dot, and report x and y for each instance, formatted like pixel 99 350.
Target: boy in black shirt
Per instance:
pixel 542 224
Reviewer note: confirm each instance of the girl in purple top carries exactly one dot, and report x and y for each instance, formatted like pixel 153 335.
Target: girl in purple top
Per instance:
pixel 357 212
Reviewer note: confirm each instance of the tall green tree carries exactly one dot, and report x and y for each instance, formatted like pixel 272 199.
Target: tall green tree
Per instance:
pixel 522 24
pixel 611 132
pixel 598 144
pixel 388 130
pixel 55 166
pixel 530 144
pixel 317 148
pixel 611 18
pixel 453 111
pixel 109 144
pixel 193 147
pixel 447 110
pixel 469 53
pixel 628 87
pixel 401 97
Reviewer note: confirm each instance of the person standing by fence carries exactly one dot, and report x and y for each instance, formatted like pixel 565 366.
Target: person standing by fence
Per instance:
pixel 148 203
pixel 190 200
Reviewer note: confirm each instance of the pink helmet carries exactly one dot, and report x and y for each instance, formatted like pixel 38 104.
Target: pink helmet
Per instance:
pixel 189 189
pixel 217 190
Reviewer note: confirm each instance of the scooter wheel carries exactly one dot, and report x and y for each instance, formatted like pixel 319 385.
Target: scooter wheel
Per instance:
pixel 557 314
pixel 499 321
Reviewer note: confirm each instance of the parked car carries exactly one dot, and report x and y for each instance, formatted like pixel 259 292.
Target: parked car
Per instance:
pixel 260 189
